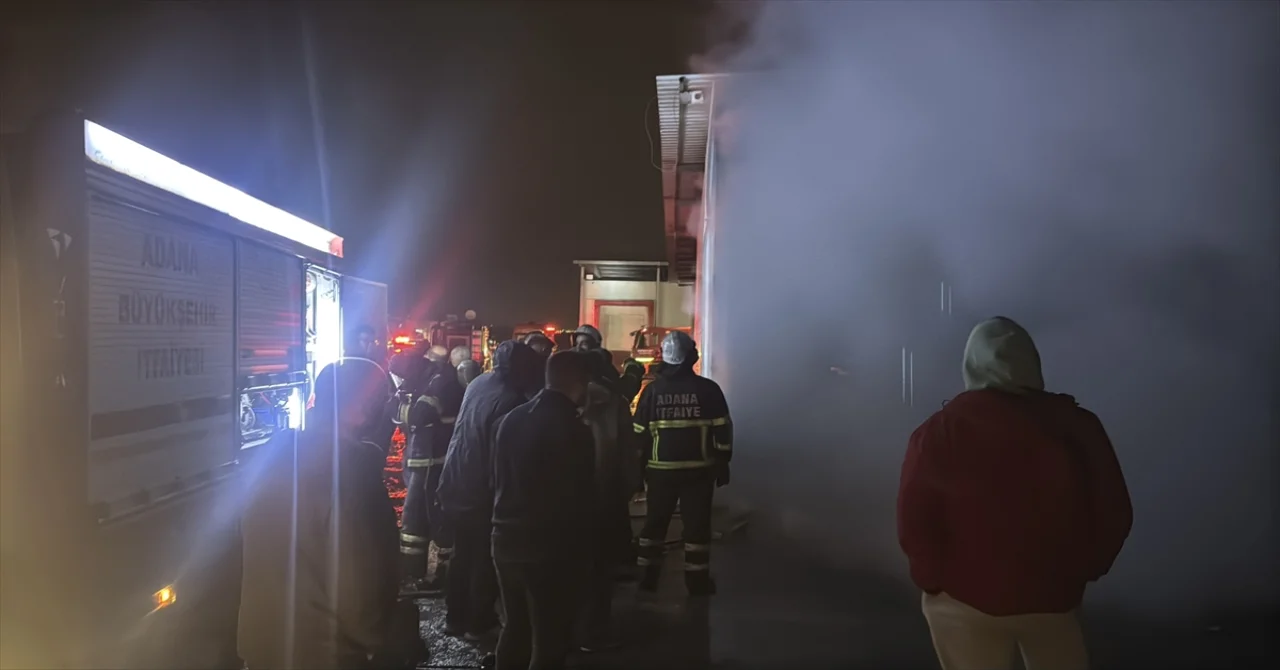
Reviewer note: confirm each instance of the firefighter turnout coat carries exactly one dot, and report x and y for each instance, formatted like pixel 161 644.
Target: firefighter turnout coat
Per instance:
pixel 690 442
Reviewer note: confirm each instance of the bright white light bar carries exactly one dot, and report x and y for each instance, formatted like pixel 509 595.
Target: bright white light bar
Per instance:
pixel 117 152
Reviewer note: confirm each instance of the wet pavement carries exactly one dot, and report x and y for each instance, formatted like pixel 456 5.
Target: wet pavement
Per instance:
pixel 780 609
pixel 776 609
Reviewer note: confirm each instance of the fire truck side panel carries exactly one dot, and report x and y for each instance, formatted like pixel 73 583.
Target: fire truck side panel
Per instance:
pixel 130 309
pixel 161 329
pixel 269 312
pixel 47 531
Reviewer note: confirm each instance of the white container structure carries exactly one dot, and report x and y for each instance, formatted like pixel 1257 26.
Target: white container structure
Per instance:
pixel 621 297
pixel 686 108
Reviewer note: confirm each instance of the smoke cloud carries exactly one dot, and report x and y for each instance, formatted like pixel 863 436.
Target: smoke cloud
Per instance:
pixel 1105 173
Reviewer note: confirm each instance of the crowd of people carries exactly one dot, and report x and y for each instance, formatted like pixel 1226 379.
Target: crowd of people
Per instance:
pixel 1011 502
pixel 518 480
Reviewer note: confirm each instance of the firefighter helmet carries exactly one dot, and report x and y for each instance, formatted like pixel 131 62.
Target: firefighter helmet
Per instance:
pixel 540 343
pixel 437 354
pixel 468 370
pixel 458 355
pixel 678 347
pixel 589 331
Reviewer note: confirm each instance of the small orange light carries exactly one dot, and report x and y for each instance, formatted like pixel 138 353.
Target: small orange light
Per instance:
pixel 165 597
pixel 551 329
pixel 402 339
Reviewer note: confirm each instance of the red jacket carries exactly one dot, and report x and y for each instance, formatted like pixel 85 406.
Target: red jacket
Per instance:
pixel 1012 503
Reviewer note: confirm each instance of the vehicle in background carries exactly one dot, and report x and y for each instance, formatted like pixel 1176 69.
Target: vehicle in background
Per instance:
pixel 165 323
pixel 561 338
pixel 454 332
pixel 646 347
pixel 622 297
pixel 399 343
pixel 524 330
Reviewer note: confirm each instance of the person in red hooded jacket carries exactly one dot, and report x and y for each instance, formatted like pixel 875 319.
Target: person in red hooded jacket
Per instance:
pixel 1011 502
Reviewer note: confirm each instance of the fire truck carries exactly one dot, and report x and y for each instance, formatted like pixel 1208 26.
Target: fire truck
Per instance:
pixel 140 301
pixel 454 332
pixel 562 338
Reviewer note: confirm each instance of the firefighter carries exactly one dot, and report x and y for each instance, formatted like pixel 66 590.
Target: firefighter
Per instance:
pixel 542 346
pixel 587 337
pixel 408 364
pixel 631 380
pixel 468 370
pixel 448 387
pixel 458 355
pixel 429 405
pixel 686 419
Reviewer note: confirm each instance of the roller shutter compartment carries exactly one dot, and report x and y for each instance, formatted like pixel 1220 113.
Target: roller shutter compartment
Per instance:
pixel 161 347
pixel 270 310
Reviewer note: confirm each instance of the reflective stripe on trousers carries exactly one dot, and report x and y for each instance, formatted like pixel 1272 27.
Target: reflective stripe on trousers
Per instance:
pixel 692 491
pixel 415 523
pixel 413 545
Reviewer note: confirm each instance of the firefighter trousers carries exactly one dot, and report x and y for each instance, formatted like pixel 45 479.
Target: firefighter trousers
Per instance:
pixel 692 490
pixel 423 523
pixel 415 524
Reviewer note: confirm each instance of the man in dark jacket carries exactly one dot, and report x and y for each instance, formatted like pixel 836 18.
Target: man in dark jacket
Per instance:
pixel 1011 502
pixel 618 474
pixel 631 380
pixel 303 604
pixel 543 517
pixel 466 492
pixel 542 346
pixel 686 419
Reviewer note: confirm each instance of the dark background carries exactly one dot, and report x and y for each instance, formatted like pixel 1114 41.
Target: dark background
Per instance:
pixel 474 149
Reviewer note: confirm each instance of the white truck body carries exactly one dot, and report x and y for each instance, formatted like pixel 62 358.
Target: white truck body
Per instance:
pixel 165 323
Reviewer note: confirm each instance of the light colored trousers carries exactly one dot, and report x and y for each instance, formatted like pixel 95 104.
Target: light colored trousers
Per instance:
pixel 967 639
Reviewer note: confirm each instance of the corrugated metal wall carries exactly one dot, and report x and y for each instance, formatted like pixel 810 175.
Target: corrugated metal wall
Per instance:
pixel 161 333
pixel 270 311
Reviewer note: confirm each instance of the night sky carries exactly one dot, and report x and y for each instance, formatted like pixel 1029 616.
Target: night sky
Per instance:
pixel 474 149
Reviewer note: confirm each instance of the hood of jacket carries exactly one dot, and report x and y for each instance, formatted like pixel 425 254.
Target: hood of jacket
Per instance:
pixel 516 362
pixel 599 397
pixel 1001 355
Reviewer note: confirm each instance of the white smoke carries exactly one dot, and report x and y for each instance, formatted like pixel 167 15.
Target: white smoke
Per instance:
pixel 1105 173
